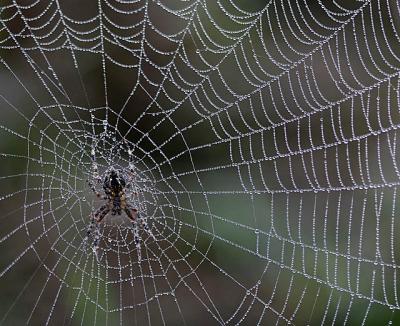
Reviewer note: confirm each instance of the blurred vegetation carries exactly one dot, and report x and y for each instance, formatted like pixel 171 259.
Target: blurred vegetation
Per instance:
pixel 284 246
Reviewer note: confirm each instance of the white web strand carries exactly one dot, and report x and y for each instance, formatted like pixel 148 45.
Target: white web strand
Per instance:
pixel 260 140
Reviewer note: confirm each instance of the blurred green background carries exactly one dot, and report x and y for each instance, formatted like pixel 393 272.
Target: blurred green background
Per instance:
pixel 265 145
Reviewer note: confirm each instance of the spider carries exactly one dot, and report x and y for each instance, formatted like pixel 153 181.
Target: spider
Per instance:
pixel 114 187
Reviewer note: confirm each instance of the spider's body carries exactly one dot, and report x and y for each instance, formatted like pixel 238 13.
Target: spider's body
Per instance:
pixel 114 187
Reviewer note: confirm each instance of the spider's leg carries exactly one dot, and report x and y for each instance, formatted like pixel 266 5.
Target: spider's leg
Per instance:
pixel 102 212
pixel 97 217
pixel 91 185
pixel 145 226
pixel 96 241
pixel 129 212
pixel 95 177
pixel 137 241
pixel 130 183
pixel 89 230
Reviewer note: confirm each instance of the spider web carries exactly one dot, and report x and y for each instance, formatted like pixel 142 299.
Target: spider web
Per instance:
pixel 263 140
